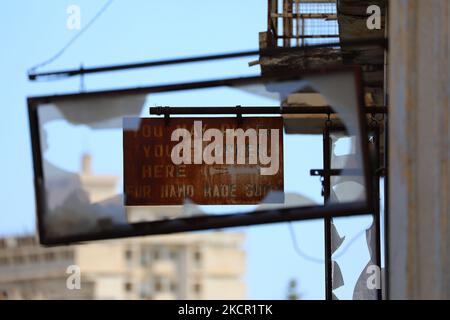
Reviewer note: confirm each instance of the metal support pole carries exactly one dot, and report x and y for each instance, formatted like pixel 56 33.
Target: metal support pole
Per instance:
pixel 297 22
pixel 386 165
pixel 327 221
pixel 272 22
pixel 287 23
pixel 386 210
pixel 376 198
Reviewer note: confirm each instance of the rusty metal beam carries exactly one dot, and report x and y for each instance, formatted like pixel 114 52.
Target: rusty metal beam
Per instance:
pixel 160 110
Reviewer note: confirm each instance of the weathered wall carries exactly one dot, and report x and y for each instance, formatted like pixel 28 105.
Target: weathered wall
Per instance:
pixel 419 149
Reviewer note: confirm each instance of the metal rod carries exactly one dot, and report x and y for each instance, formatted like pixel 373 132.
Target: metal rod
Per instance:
pixel 287 24
pixel 297 22
pixel 374 149
pixel 159 110
pixel 386 166
pixel 382 42
pixel 336 172
pixel 327 221
pixel 213 222
pixel 311 36
pixel 387 231
pixel 305 15
pixel 303 32
pixel 377 210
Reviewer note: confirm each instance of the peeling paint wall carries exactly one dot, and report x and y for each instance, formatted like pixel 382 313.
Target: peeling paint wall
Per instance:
pixel 419 256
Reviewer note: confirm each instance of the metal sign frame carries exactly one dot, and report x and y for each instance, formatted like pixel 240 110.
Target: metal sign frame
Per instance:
pixel 212 221
pixel 373 131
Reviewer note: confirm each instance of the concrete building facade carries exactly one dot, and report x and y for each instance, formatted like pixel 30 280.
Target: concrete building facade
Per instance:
pixel 182 266
pixel 419 137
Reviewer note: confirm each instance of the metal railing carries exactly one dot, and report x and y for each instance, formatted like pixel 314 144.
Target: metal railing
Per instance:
pixel 300 22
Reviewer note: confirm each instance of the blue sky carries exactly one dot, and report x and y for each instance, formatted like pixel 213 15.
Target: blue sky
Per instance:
pixel 32 31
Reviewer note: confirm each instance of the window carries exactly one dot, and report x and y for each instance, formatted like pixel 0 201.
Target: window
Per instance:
pixel 3 260
pixel 173 254
pixel 197 288
pixel 173 286
pixel 128 287
pixel 156 254
pixel 158 284
pixel 145 290
pixel 22 242
pixel 197 255
pixel 67 255
pixel 18 259
pixel 128 255
pixel 3 295
pixel 145 259
pixel 49 256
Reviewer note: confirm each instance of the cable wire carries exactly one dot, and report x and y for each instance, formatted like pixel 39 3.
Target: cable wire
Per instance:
pixel 71 41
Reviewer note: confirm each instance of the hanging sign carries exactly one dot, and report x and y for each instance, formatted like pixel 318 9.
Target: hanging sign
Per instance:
pixel 209 161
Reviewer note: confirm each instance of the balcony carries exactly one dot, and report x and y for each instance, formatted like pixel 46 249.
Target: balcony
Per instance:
pixel 300 22
pixel 297 23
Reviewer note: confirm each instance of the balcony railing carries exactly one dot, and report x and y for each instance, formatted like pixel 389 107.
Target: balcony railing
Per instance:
pixel 300 22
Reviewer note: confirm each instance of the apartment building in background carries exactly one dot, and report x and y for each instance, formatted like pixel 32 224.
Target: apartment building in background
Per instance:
pixel 182 266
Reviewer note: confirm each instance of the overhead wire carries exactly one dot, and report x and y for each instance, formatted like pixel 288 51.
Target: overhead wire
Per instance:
pixel 73 39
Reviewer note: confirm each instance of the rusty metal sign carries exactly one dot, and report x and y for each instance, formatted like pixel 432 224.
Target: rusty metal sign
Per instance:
pixel 210 161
